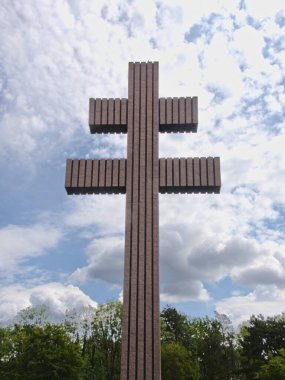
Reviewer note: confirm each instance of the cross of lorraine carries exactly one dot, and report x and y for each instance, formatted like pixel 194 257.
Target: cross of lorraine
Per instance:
pixel 142 176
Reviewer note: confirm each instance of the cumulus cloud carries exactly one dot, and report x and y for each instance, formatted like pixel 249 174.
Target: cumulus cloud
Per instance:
pixel 106 213
pixel 57 297
pixel 105 261
pixel 18 244
pixel 266 300
pixel 230 54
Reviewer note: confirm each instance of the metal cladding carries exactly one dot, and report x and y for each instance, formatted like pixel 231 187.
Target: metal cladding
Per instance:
pixel 189 175
pixel 141 314
pixel 178 114
pixel 108 115
pixel 176 175
pixel 95 176
pixel 142 176
pixel 175 115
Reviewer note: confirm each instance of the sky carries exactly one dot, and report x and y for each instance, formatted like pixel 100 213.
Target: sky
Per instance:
pixel 221 253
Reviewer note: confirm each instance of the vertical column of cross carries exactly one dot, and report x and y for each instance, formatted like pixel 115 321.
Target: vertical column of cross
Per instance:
pixel 141 332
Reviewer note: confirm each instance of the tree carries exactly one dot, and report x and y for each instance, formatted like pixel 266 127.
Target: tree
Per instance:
pixel 174 326
pixel 101 342
pixel 261 339
pixel 40 352
pixel 177 363
pixel 274 369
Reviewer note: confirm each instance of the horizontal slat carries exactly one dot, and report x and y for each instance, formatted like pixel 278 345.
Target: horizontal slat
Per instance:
pixel 175 115
pixel 108 115
pixel 190 175
pixel 176 175
pixel 178 115
pixel 95 176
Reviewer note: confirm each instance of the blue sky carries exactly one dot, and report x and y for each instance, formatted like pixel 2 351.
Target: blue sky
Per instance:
pixel 218 252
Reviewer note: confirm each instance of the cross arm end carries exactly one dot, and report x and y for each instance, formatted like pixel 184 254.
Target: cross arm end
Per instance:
pixel 108 115
pixel 178 114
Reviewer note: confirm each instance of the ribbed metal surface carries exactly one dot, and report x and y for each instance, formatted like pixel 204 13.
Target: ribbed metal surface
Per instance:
pixel 108 115
pixel 175 115
pixel 95 176
pixel 178 114
pixel 176 175
pixel 189 175
pixel 141 330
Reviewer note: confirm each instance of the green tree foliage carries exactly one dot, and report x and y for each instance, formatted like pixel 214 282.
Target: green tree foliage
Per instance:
pixel 259 340
pixel 274 369
pixel 209 343
pixel 32 352
pixel 177 363
pixel 174 326
pixel 87 346
pixel 101 342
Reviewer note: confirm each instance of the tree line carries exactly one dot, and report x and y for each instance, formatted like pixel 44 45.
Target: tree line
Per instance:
pixel 88 346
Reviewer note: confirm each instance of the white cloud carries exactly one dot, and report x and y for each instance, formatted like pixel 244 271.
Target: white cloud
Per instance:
pixel 57 297
pixel 105 262
pixel 20 243
pixel 61 54
pixel 265 9
pixel 266 300
pixel 105 212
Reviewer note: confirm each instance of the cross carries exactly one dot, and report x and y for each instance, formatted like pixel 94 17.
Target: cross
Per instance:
pixel 142 176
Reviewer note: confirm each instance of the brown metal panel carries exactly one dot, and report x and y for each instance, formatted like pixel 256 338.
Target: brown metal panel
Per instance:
pixel 95 174
pixel 155 257
pixel 162 172
pixel 217 172
pixel 149 230
pixel 91 112
pixel 169 172
pixel 88 178
pixel 98 111
pixel 68 172
pixel 124 111
pixel 210 170
pixel 108 173
pixel 115 173
pixel 102 173
pixel 81 180
pixel 188 109
pixel 195 110
pixel 104 116
pixel 134 231
pixel 169 111
pixel 128 222
pixel 111 110
pixel 176 174
pixel 117 120
pixel 183 177
pixel 141 228
pixel 196 172
pixel 181 110
pixel 203 173
pixel 175 111
pixel 122 174
pixel 190 179
pixel 162 111
pixel 75 170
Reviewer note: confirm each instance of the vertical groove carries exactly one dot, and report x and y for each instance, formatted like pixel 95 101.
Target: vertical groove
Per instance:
pixel 156 308
pixel 138 128
pixel 141 229
pixel 148 226
pixel 145 221
pixel 152 248
pixel 131 230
